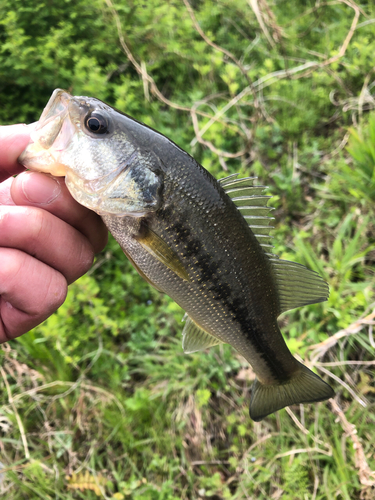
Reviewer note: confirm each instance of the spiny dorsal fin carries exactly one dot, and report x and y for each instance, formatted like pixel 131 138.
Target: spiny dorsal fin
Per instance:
pixel 255 200
pixel 229 178
pixel 253 205
pixel 297 285
pixel 195 338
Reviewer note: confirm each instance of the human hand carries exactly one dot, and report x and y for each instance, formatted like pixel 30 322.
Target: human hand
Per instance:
pixel 47 240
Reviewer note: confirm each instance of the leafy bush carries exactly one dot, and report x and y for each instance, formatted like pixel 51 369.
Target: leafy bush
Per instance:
pixel 360 179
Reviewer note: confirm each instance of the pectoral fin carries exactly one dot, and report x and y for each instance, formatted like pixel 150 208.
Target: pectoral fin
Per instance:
pixel 195 338
pixel 159 249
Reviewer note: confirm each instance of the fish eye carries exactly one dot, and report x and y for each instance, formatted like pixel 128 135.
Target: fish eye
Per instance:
pixel 96 123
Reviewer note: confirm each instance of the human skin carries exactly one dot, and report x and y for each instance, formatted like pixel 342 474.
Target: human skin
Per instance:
pixel 47 240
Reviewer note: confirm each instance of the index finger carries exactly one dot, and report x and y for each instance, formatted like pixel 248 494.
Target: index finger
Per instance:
pixel 13 140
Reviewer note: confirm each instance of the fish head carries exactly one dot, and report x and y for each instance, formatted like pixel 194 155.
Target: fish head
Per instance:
pixel 105 167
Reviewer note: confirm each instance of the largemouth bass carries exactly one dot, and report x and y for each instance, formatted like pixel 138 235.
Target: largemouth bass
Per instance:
pixel 203 242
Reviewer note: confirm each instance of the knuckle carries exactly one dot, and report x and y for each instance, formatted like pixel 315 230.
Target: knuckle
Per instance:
pixel 11 263
pixel 85 259
pixel 38 224
pixel 57 291
pixel 53 295
pixel 5 217
pixel 23 227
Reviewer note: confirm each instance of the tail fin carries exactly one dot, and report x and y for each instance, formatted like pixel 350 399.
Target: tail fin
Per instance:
pixel 303 387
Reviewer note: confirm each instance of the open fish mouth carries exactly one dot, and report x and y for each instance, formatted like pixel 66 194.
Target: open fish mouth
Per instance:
pixel 52 134
pixel 80 138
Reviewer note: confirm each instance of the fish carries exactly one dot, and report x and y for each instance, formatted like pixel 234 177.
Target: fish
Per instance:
pixel 204 242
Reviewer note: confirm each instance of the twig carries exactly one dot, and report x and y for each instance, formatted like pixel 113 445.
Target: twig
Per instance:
pixel 255 7
pixel 19 421
pixel 253 88
pixel 343 363
pixel 344 45
pixel 339 148
pixel 296 421
pixel 305 431
pixel 259 84
pixel 320 349
pixel 350 34
pixel 366 475
pixel 371 337
pixel 145 80
pixel 365 94
pixel 295 451
pixel 57 383
pixel 365 23
pixel 199 133
pixel 83 373
pixel 137 66
pixel 209 462
pixel 318 6
pixel 210 42
pixel 344 384
pixel 153 87
pixel 258 442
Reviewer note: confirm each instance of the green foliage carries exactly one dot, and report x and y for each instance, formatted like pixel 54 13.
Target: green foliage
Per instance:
pixel 102 389
pixel 361 177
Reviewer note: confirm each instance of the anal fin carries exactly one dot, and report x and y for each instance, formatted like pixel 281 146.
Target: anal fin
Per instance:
pixel 194 338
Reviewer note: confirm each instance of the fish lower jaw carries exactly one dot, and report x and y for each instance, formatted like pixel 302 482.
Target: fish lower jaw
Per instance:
pixel 99 203
pixel 43 162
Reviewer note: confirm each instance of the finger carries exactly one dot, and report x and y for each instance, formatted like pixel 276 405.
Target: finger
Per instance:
pixel 5 196
pixel 13 140
pixel 46 237
pixel 51 194
pixel 30 291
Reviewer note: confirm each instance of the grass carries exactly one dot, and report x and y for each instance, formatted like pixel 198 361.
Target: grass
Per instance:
pixel 123 413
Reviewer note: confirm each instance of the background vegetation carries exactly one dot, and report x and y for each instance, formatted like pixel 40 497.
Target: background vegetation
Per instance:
pixel 100 400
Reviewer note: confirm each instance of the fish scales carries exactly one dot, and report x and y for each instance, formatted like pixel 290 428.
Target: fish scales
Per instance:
pixel 227 295
pixel 185 235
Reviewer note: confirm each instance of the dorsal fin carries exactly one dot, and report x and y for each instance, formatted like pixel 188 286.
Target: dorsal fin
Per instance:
pixel 194 338
pixel 297 285
pixel 252 204
pixel 229 178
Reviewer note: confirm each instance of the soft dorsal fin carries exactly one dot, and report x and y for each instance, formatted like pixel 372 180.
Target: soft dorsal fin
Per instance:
pixel 297 285
pixel 252 204
pixel 195 338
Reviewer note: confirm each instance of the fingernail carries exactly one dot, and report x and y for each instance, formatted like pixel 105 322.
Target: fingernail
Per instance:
pixel 40 188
